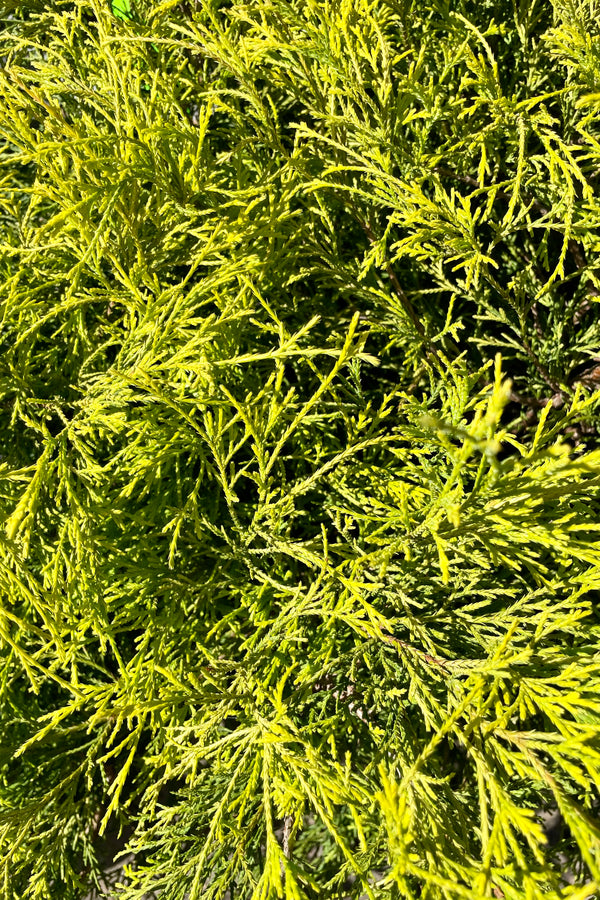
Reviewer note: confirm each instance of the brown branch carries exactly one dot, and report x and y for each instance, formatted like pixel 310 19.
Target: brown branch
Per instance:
pixel 542 370
pixel 402 297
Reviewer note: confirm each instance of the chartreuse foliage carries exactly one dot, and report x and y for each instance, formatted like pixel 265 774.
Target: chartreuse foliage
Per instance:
pixel 300 479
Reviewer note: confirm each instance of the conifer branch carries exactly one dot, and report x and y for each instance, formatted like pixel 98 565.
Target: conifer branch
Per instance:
pixel 299 452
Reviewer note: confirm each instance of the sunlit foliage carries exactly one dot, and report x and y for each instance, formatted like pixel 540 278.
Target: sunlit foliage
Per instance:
pixel 299 475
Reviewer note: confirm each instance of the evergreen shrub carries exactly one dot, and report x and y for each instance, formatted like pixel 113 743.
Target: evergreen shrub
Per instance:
pixel 300 472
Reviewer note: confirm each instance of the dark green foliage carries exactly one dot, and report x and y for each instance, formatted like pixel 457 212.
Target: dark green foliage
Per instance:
pixel 299 476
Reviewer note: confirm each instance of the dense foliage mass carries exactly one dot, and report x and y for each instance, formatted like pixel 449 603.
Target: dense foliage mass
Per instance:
pixel 299 476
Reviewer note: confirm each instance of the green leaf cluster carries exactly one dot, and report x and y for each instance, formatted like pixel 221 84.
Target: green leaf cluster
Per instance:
pixel 299 458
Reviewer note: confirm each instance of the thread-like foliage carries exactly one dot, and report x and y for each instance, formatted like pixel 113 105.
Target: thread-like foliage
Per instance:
pixel 299 476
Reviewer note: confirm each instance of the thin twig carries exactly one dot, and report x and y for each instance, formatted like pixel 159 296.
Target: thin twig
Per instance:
pixel 402 297
pixel 422 653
